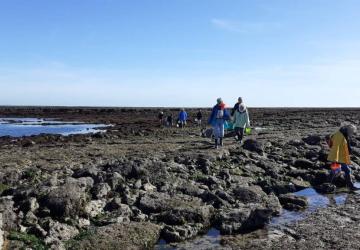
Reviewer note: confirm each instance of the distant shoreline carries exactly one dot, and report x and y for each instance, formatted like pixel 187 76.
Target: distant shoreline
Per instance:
pixel 152 107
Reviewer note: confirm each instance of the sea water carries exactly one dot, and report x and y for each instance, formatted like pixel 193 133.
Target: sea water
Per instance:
pixel 17 127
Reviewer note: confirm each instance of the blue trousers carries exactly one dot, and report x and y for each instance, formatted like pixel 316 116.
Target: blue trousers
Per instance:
pixel 219 128
pixel 347 171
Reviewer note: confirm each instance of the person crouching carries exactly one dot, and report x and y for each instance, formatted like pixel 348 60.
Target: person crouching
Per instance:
pixel 339 154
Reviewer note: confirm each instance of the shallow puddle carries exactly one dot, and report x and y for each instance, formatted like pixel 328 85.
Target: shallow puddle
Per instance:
pixel 316 200
pixel 17 127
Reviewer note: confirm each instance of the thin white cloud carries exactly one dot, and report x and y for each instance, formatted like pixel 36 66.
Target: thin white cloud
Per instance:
pixel 244 27
pixel 332 83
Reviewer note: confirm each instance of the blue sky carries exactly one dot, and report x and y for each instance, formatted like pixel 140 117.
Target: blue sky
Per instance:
pixel 180 52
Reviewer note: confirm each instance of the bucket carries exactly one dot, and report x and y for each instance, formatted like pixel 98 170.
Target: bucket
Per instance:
pixel 228 125
pixel 248 131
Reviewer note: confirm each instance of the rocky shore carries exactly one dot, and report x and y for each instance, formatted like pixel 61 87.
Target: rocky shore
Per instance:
pixel 139 183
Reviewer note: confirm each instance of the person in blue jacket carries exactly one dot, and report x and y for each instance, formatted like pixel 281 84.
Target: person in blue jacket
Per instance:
pixel 217 119
pixel 182 118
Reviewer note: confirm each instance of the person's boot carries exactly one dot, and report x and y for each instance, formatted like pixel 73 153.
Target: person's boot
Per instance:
pixel 221 142
pixel 350 184
pixel 216 143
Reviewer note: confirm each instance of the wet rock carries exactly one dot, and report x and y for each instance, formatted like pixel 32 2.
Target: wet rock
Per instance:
pixel 303 164
pixel 277 187
pixel 177 209
pixel 312 140
pixel 134 236
pixel 180 233
pixel 326 188
pixel 244 219
pixel 293 202
pixel 252 194
pixel 253 146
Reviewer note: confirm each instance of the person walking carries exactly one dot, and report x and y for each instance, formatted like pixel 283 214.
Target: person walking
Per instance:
pixel 339 154
pixel 236 106
pixel 199 118
pixel 217 119
pixel 241 121
pixel 161 118
pixel 169 121
pixel 182 118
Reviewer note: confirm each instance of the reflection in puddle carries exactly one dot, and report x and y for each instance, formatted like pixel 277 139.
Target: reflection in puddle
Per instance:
pixel 209 241
pixel 316 200
pixel 17 127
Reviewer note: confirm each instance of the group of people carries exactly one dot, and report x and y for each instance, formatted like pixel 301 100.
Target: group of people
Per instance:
pixel 339 143
pixel 239 116
pixel 181 119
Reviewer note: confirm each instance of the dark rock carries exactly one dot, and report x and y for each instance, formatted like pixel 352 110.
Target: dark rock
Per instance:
pixel 90 171
pixel 253 146
pixel 303 164
pixel 242 220
pixel 176 209
pixel 293 202
pixel 252 194
pixel 180 233
pixel 326 188
pixel 296 143
pixel 114 204
pixel 312 140
pixel 138 172
pixel 27 143
pixel 213 199
pixel 277 187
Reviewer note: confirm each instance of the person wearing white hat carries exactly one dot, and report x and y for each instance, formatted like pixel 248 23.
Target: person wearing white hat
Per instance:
pixel 241 121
